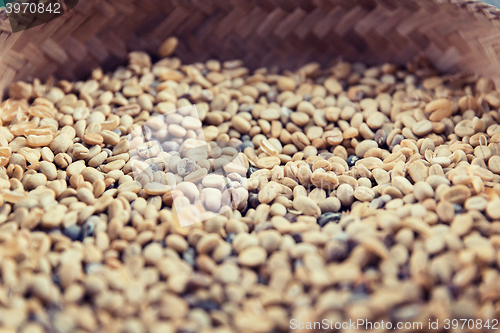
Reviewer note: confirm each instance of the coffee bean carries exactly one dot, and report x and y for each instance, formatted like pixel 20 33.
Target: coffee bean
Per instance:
pixel 87 229
pixel 73 232
pixel 230 237
pixel 329 217
pixel 246 144
pixel 253 200
pixel 262 280
pixel 207 305
pixel 189 256
pixel 169 146
pixel 351 160
pixel 336 250
pixel 457 208
pixel 380 137
pixel 297 237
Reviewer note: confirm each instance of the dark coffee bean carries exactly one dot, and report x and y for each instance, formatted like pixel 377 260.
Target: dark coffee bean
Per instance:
pixel 262 280
pixel 245 144
pixel 73 232
pixel 253 200
pixel 457 208
pixel 359 293
pixel 88 228
pixel 271 95
pixel 454 290
pixel 356 297
pixel 336 250
pixel 329 217
pixel 388 240
pixel 404 273
pixel 251 170
pixel 52 310
pixel 396 141
pixel 230 236
pixel 154 167
pixel 380 137
pixel 297 237
pixel 377 203
pixel 351 160
pixel 55 278
pixel 189 256
pixel 361 288
pixel 380 201
pixel 291 217
pixel 207 305
pixel 351 244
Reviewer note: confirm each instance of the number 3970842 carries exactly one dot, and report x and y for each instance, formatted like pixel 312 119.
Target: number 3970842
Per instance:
pixel 33 8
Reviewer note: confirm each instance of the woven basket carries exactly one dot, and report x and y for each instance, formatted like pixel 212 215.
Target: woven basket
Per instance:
pixel 456 35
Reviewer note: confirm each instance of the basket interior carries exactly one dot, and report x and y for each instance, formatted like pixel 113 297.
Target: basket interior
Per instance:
pixel 455 35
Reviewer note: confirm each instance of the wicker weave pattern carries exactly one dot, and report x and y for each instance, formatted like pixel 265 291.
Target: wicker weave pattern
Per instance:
pixel 457 35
